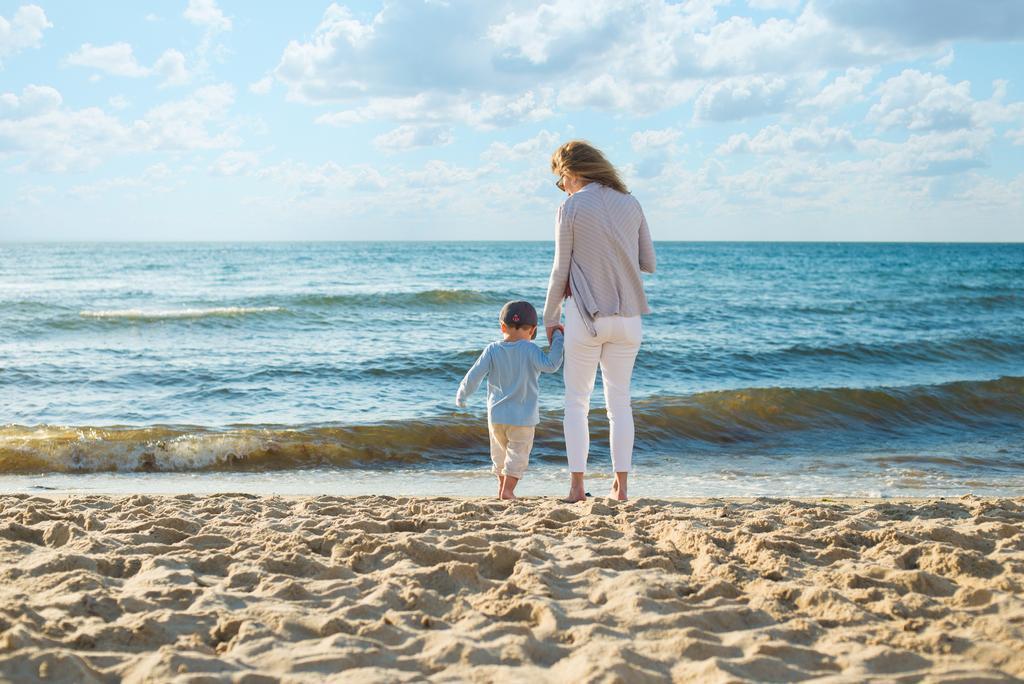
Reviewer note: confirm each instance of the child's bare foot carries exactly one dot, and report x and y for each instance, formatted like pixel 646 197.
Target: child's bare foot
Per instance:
pixel 508 487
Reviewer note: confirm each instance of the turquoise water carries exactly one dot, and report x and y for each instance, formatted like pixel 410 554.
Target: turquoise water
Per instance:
pixel 766 368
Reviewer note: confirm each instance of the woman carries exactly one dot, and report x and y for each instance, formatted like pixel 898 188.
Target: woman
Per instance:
pixel 602 243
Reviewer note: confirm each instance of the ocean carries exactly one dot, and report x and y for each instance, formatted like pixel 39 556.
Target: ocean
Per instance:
pixel 767 369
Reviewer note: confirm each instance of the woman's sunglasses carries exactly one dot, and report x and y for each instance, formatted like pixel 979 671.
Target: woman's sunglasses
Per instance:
pixel 559 184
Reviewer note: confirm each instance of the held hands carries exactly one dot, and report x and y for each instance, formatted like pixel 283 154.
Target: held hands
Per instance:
pixel 551 331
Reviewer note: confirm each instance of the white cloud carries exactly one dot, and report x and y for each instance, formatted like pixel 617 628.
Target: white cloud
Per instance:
pixel 119 102
pixel 406 49
pixel 886 183
pixel 844 90
pixel 656 148
pixel 206 13
pixel 408 137
pixel 235 163
pixel 469 56
pixel 183 124
pixel 262 86
pixel 37 129
pixel 34 101
pixel 654 140
pixel 743 97
pixel 171 67
pixel 823 168
pixel 788 5
pixel 117 59
pixel 919 101
pixel 600 92
pixel 487 112
pixel 24 30
pixel 607 93
pixel 537 149
pixel 776 140
pixel 740 46
pixel 499 111
pixel 457 53
pixel 559 31
pixel 422 72
pixel 929 102
pixel 423 107
pixel 936 153
pixel 54 139
pixel 791 174
pixel 590 51
pixel 994 111
pixel 988 192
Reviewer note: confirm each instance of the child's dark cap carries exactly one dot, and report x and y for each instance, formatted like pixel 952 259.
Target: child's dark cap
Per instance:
pixel 518 315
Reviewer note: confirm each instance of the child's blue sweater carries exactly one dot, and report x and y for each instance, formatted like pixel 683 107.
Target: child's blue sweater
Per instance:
pixel 512 370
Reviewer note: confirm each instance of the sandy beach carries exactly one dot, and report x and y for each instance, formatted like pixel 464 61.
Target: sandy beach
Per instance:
pixel 251 589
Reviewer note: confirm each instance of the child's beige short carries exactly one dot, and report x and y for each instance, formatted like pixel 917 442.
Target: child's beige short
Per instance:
pixel 510 448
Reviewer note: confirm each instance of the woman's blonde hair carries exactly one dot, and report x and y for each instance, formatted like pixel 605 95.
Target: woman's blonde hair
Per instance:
pixel 581 159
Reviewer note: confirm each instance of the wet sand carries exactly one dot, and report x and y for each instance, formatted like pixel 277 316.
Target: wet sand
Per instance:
pixel 251 589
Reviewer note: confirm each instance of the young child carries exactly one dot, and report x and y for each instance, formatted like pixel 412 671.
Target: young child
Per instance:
pixel 512 367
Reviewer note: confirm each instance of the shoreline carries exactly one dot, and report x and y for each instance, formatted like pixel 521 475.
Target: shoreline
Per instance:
pixel 376 588
pixel 541 481
pixel 526 498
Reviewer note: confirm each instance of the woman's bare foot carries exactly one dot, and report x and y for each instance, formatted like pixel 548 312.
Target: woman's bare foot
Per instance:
pixel 576 490
pixel 619 487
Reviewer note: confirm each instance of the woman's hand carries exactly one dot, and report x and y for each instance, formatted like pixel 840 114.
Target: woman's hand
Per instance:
pixel 551 331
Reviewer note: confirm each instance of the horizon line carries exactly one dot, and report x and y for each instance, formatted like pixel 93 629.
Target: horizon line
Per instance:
pixel 484 241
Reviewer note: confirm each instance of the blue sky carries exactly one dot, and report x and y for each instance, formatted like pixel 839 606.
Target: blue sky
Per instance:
pixel 435 119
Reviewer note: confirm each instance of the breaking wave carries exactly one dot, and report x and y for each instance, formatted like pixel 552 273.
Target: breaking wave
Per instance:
pixel 667 424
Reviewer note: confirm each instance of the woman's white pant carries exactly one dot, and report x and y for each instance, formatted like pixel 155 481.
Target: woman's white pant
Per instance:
pixel 614 348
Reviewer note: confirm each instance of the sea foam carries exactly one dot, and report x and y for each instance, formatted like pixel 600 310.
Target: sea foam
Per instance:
pixel 171 314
